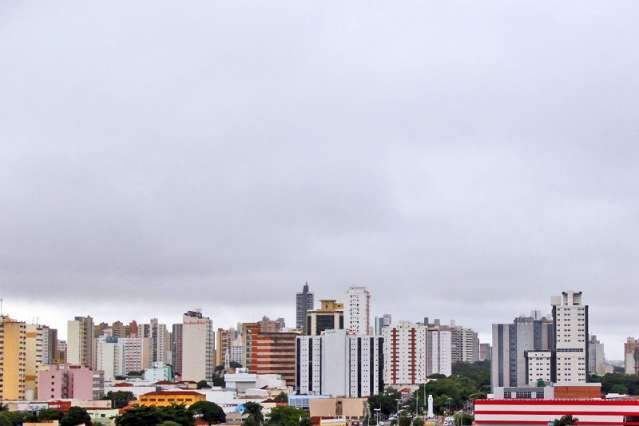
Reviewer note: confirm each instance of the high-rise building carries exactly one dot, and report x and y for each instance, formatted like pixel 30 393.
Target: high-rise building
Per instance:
pixel 65 381
pixel 465 344
pixel 439 350
pixel 570 318
pixel 119 356
pixel 131 330
pixel 596 357
pixel 80 342
pixel 269 353
pixel 49 345
pixel 330 316
pixel 485 351
pixel 631 356
pixel 33 359
pixel 381 322
pixel 339 365
pixel 13 341
pixel 198 347
pixel 304 302
pixel 235 353
pixel 405 353
pixel 357 311
pixel 223 340
pixel 268 325
pixel 176 348
pixel 118 329
pixel 160 342
pixel 510 344
pixel 61 352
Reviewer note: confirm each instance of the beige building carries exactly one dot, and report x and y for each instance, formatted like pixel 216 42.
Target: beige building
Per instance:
pixel 347 408
pixel 13 336
pixel 330 316
pixel 631 355
pixel 198 347
pixel 34 355
pixel 80 342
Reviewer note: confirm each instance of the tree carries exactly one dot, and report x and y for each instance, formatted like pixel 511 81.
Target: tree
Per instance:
pixel 566 421
pixel 235 364
pixel 404 421
pixel 437 376
pixel 253 410
pixel 464 419
pixel 4 420
pixel 386 402
pixel 281 397
pixel 50 414
pixel 219 381
pixel 619 388
pixel 286 416
pixel 120 399
pixel 418 421
pixel 139 416
pixel 208 411
pixel 169 423
pixel 176 413
pixel 76 416
pixel 541 383
pixel 203 384
pixel 305 421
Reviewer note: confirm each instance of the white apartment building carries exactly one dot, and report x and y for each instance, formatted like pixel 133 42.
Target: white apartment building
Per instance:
pixel 357 311
pixel 136 353
pixel 198 347
pixel 110 357
pixel 33 359
pixel 80 344
pixel 405 353
pixel 570 317
pixel 465 344
pixel 439 357
pixel 160 342
pixel 340 365
pixel 538 367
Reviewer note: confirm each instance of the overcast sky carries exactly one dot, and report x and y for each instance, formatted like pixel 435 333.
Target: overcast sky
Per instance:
pixel 464 160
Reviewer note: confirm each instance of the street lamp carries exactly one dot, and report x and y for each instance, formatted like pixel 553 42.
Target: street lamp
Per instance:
pixel 377 410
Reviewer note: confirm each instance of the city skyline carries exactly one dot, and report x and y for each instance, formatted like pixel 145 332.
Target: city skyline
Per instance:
pixel 460 162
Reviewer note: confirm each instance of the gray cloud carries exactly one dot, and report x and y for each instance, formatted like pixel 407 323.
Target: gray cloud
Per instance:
pixel 464 160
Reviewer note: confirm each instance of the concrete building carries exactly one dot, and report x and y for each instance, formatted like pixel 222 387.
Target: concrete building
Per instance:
pixel 198 347
pixel 330 316
pixel 158 372
pixel 357 311
pixel 465 344
pixel 268 325
pixel 80 342
pixel 65 381
pixel 269 353
pixel 339 365
pixel 405 353
pixel 304 302
pixel 223 340
pixel 160 342
pixel 176 348
pixel 169 398
pixel 235 353
pixel 485 352
pixel 570 318
pixel 61 352
pixel 510 343
pixel 381 322
pixel 539 367
pixel 33 359
pixel 13 341
pixel 596 357
pixel 110 357
pixel 439 350
pixel 49 345
pixel 631 356
pixel 348 409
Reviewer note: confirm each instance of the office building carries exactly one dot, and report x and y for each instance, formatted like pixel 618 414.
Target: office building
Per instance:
pixel 357 311
pixel 235 353
pixel 176 348
pixel 160 342
pixel 63 381
pixel 269 353
pixel 13 342
pixel 485 352
pixel 268 325
pixel 61 352
pixel 80 342
pixel 465 344
pixel 570 318
pixel 631 356
pixel 405 353
pixel 338 364
pixel 198 347
pixel 304 302
pixel 596 357
pixel 330 316
pixel 381 322
pixel 510 343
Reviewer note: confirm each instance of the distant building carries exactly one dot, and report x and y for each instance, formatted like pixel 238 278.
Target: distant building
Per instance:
pixel 160 342
pixel 269 353
pixel 176 348
pixel 65 382
pixel 304 302
pixel 465 344
pixel 223 340
pixel 49 345
pixel 61 352
pixel 330 316
pixel 268 325
pixel 405 354
pixel 381 322
pixel 357 311
pixel 570 317
pixel 158 372
pixel 485 351
pixel 198 347
pixel 631 356
pixel 13 337
pixel 439 349
pixel 596 357
pixel 235 353
pixel 80 342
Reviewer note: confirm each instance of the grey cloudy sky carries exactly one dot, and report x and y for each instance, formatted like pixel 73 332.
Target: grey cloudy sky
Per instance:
pixel 462 159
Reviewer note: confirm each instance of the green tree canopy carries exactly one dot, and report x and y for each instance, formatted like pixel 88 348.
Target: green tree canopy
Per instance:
pixel 253 411
pixel 76 416
pixel 286 416
pixel 566 421
pixel 281 397
pixel 208 411
pixel 139 416
pixel 386 402
pixel 203 384
pixel 119 399
pixel 418 421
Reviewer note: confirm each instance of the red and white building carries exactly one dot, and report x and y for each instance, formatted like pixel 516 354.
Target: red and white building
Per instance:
pixel 533 412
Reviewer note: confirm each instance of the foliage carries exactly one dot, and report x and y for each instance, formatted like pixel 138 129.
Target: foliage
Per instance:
pixel 177 413
pixel 250 421
pixel 281 397
pixel 478 373
pixel 404 421
pixel 203 384
pixel 253 410
pixel 219 381
pixel 566 421
pixel 208 411
pixel 464 419
pixel 4 420
pixel 418 421
pixel 143 416
pixel 619 383
pixel 386 402
pixel 286 416
pixel 119 399
pixel 76 416
pixel 449 394
pixel 437 376
pixel 50 414
pixel 305 421
pixel 169 423
pixel 541 383
pixel 235 364
pixel 15 418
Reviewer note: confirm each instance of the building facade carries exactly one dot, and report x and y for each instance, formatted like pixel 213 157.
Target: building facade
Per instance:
pixel 80 342
pixel 33 360
pixel 596 357
pixel 63 381
pixel 465 345
pixel 176 348
pixel 13 348
pixel 330 316
pixel 304 302
pixel 381 322
pixel 405 353
pixel 198 347
pixel 631 356
pixel 270 353
pixel 570 317
pixel 357 311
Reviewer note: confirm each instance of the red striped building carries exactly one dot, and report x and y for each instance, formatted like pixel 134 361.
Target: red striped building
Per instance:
pixel 533 412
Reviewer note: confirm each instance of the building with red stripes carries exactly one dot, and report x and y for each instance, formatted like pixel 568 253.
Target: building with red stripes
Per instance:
pixel 533 412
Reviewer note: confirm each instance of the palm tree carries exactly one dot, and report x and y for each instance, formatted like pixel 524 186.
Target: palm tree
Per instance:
pixel 567 420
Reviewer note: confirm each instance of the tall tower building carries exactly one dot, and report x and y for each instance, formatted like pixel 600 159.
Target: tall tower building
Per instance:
pixel 304 302
pixel 596 357
pixel 198 347
pixel 330 316
pixel 160 342
pixel 405 354
pixel 176 348
pixel 80 342
pixel 381 322
pixel 13 338
pixel 357 311
pixel 34 354
pixel 465 345
pixel 570 318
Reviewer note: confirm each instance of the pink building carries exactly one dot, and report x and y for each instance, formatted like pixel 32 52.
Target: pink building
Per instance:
pixel 65 382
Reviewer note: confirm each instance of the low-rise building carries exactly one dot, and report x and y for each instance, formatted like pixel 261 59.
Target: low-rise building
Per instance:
pixel 168 398
pixel 65 382
pixel 347 408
